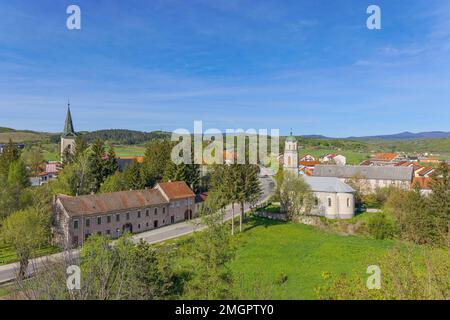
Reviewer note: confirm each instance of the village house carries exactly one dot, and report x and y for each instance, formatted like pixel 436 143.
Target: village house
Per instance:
pixel 385 159
pixel 334 158
pixel 373 177
pixel 307 157
pixel 112 214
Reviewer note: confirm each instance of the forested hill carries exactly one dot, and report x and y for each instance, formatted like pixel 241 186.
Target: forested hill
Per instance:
pixel 123 136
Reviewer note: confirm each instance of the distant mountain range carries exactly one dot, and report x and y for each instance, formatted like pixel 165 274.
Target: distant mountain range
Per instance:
pixel 397 136
pixel 133 137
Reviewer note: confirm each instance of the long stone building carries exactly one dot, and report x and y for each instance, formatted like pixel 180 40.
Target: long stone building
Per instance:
pixel 112 214
pixel 372 177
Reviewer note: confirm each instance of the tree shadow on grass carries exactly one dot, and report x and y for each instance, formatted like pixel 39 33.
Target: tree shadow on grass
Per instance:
pixel 254 222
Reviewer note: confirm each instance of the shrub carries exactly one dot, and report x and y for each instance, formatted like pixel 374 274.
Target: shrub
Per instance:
pixel 381 227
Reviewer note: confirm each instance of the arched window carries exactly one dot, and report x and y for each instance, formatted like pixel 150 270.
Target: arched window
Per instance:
pixel 329 202
pixel 348 202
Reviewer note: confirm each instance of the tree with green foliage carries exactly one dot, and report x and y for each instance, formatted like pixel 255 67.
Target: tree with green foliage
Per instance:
pixel 25 231
pixel 296 196
pixel 381 227
pixel 439 203
pixel 123 271
pixel 76 178
pixel 409 210
pixel 18 177
pixel 114 183
pixel 157 155
pixel 133 176
pixel 97 164
pixel 248 187
pixel 80 146
pixel 174 172
pixel 111 164
pixel 406 274
pixel 211 251
pixel 9 155
pixel 34 159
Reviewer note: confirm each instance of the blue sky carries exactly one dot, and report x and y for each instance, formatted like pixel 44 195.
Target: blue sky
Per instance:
pixel 149 65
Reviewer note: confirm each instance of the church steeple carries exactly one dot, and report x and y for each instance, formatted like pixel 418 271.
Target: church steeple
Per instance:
pixel 68 137
pixel 68 126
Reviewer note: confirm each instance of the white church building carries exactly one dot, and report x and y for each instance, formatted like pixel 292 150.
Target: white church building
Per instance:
pixel 334 198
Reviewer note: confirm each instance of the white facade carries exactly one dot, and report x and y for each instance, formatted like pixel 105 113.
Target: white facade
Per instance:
pixel 291 156
pixel 334 199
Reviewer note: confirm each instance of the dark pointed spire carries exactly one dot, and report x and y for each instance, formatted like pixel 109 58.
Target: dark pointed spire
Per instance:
pixel 68 126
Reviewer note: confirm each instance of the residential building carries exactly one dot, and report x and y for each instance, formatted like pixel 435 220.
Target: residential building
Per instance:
pixel 307 157
pixel 334 158
pixel 383 159
pixel 112 214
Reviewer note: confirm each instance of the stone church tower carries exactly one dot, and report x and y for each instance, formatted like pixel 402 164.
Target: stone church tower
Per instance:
pixel 68 136
pixel 291 155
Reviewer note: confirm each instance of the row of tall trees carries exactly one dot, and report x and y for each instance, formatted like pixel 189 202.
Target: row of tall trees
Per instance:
pixel 236 184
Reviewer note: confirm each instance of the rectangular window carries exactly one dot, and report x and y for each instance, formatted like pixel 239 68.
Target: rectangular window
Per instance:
pixel 88 222
pixel 118 217
pixel 139 214
pixel 108 232
pixel 99 220
pixel 108 219
pixel 128 216
pixel 146 213
pixel 164 210
pixel 156 210
pixel 99 233
pixel 348 202
pixel 75 240
pixel 75 224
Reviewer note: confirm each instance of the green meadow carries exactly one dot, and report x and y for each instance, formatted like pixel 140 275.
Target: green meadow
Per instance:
pixel 289 260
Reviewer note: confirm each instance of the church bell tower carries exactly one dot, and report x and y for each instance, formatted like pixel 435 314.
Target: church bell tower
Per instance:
pixel 68 136
pixel 291 155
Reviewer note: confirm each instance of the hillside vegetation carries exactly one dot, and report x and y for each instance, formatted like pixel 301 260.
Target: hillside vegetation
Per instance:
pixel 21 135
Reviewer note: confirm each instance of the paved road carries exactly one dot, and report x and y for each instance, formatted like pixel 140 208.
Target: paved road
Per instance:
pixel 9 272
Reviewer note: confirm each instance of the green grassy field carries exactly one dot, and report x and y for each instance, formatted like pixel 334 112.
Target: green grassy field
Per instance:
pixel 269 251
pixel 7 255
pixel 129 150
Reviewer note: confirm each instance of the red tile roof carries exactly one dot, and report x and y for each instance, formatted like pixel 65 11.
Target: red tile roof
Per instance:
pixel 111 202
pixel 309 163
pixel 385 156
pixel 422 182
pixel 176 190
